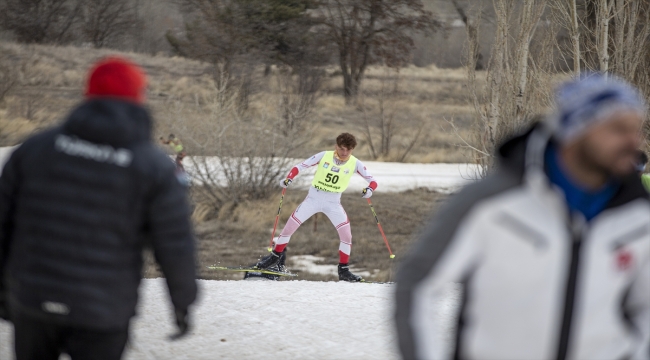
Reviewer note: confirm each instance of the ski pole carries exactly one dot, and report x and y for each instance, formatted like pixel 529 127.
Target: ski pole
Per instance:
pixel 277 217
pixel 392 256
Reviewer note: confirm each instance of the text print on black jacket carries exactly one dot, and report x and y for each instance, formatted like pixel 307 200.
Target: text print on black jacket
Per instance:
pixel 537 284
pixel 78 203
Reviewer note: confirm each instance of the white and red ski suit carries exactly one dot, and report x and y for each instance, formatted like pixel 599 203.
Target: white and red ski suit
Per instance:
pixel 328 203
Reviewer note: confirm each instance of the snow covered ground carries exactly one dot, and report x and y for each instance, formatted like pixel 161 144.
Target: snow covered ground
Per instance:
pixel 269 319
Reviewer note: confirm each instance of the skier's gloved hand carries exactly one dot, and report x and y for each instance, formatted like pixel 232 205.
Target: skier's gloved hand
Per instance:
pixel 4 310
pixel 183 324
pixel 285 183
pixel 366 193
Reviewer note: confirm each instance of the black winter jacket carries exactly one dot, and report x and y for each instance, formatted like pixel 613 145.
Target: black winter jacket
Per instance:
pixel 78 203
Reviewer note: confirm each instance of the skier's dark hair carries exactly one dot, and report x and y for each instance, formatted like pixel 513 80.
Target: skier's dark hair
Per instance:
pixel 347 141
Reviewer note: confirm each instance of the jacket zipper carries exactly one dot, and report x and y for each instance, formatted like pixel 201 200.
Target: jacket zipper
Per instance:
pixel 569 301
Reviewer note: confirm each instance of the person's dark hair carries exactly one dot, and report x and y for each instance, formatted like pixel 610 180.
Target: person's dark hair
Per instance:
pixel 346 140
pixel 171 136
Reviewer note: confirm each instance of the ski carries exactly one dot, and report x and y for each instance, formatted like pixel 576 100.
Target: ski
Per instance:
pixel 374 282
pixel 251 269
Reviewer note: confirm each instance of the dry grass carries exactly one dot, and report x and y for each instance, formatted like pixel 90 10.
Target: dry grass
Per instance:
pixel 426 95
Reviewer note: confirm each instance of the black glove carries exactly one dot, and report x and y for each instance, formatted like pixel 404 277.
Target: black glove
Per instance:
pixel 285 183
pixel 183 324
pixel 4 309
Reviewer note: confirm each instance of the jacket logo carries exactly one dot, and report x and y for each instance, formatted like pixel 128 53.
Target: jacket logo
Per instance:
pixel 335 169
pixel 624 260
pixel 326 165
pixel 101 153
pixel 55 308
pixel 346 171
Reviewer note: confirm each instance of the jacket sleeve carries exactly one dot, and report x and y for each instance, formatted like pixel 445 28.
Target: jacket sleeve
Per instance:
pixel 638 306
pixel 365 174
pixel 448 251
pixel 8 189
pixel 172 239
pixel 442 255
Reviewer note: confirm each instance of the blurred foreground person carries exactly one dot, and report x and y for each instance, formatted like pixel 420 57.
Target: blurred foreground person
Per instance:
pixel 552 250
pixel 78 203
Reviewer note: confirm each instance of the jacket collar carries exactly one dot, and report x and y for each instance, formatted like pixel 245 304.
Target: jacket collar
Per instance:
pixel 109 121
pixel 524 155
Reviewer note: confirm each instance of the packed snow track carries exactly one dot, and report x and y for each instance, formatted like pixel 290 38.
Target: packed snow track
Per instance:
pixel 269 319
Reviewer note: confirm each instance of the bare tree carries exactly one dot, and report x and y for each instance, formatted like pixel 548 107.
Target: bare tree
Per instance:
pixel 106 20
pixel 298 94
pixel 609 36
pixel 471 26
pixel 371 31
pixel 385 123
pixel 235 154
pixel 40 21
pixel 517 81
pixel 564 14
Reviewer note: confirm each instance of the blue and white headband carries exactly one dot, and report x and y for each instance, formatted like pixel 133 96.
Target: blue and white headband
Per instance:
pixel 591 99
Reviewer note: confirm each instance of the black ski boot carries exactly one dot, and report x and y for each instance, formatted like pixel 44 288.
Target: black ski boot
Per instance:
pixel 269 261
pixel 346 275
pixel 277 267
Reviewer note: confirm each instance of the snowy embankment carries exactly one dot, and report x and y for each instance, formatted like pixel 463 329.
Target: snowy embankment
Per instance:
pixel 392 177
pixel 269 319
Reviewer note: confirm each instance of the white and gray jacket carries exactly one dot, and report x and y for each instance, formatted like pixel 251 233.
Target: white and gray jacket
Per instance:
pixel 537 282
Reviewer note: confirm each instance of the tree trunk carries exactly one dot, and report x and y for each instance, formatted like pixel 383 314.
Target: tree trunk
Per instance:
pixel 475 57
pixel 530 15
pixel 500 48
pixel 350 89
pixel 575 36
pixel 603 35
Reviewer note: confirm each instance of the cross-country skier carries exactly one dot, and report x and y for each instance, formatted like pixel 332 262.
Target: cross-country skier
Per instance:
pixel 335 169
pixel 176 146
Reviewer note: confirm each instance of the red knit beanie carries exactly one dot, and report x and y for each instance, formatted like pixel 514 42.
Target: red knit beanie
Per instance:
pixel 117 77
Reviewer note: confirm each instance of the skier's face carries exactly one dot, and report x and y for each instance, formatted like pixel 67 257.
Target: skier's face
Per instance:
pixel 343 152
pixel 612 146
